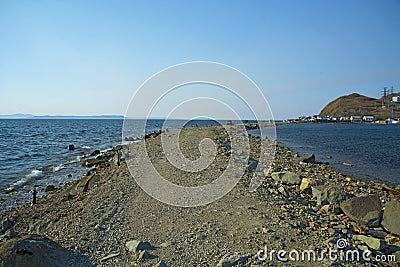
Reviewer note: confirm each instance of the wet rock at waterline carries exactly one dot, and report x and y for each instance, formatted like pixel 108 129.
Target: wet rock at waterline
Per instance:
pixel 366 209
pixel 391 217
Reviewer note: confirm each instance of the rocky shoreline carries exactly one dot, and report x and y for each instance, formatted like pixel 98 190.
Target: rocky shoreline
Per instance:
pixel 105 219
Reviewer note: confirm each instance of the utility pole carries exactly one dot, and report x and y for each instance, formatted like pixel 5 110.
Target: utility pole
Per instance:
pixel 384 92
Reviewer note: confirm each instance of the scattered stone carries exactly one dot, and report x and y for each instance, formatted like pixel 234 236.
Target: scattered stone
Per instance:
pixel 253 165
pixel 310 158
pixel 307 183
pixel 371 242
pixel 50 188
pixel 362 247
pixel 143 254
pixel 233 259
pixel 71 147
pixel 286 178
pixel 348 164
pixel 393 248
pixel 6 223
pixel 325 208
pixel 377 234
pixel 396 256
pixel 95 153
pixel 91 181
pixel 366 209
pixel 331 231
pixel 161 264
pixel 391 215
pixel 111 256
pixel 117 158
pixel 137 245
pixel 317 190
pixel 267 172
pixel 10 233
pixel 38 226
pixel 390 239
pixel 284 191
pixel 67 197
pixel 166 244
pixel 90 163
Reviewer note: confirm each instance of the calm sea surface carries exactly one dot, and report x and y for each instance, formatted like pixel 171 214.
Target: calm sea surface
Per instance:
pixel 373 149
pixel 33 153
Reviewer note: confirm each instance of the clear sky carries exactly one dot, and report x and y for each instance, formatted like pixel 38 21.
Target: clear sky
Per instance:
pixel 89 57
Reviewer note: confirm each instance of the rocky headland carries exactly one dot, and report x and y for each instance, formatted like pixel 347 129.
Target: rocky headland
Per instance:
pixel 106 219
pixel 360 105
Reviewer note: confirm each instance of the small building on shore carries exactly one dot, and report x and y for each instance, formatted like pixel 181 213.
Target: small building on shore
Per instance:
pixel 323 118
pixel 396 99
pixel 355 119
pixel 344 118
pixel 391 121
pixel 368 118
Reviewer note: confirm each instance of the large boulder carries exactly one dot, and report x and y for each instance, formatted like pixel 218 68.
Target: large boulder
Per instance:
pixel 37 251
pixel 289 178
pixel 332 195
pixel 391 217
pixel 366 209
pixel 371 242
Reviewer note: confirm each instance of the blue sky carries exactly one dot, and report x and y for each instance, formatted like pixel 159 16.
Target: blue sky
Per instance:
pixel 89 57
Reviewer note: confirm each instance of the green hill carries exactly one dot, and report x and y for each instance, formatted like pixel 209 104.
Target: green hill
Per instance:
pixel 360 105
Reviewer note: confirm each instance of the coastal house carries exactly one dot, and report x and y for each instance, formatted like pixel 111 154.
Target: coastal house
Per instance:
pixel 391 121
pixel 344 118
pixel 323 118
pixel 355 119
pixel 396 99
pixel 368 118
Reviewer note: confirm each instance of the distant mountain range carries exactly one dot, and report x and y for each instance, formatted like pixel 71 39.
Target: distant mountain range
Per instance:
pixel 30 116
pixel 360 105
